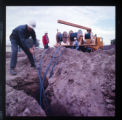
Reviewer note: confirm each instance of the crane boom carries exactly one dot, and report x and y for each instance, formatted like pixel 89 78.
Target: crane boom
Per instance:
pixel 72 24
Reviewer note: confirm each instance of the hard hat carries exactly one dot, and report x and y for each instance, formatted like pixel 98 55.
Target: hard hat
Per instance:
pixel 32 24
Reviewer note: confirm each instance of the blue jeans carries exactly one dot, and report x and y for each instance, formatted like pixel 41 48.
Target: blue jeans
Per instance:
pixel 14 47
pixel 77 47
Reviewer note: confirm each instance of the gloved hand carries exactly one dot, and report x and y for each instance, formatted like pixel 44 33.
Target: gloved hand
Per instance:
pixel 32 50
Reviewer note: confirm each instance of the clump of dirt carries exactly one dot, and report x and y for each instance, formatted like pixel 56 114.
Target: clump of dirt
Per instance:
pixel 82 84
pixel 18 103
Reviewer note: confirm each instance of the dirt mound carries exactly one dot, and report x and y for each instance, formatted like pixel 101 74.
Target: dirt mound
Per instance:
pixel 20 104
pixel 82 84
pixel 107 47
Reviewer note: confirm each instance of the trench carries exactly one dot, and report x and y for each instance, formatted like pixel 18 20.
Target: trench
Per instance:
pixel 32 89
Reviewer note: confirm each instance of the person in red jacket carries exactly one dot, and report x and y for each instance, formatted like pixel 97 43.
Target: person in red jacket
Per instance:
pixel 45 40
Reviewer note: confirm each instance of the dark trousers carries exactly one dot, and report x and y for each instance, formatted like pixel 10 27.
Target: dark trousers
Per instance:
pixel 46 46
pixel 14 48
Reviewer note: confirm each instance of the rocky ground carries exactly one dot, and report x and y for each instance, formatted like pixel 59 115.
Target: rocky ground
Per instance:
pixel 82 84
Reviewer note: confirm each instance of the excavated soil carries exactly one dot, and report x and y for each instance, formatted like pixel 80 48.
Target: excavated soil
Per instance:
pixel 82 84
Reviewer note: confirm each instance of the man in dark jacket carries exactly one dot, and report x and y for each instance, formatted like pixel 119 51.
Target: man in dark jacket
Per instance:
pixel 18 38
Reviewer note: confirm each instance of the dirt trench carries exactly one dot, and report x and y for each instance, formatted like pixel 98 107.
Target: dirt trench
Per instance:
pixel 29 83
pixel 33 89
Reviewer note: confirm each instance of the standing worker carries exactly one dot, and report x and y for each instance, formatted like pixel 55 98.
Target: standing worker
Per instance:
pixel 89 35
pixel 45 40
pixel 18 38
pixel 76 44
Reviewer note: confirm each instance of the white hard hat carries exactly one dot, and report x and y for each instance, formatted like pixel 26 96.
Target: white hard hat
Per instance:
pixel 32 24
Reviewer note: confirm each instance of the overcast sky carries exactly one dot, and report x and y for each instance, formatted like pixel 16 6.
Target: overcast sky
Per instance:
pixel 101 19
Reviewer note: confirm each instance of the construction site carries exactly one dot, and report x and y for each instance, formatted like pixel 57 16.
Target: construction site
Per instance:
pixel 69 79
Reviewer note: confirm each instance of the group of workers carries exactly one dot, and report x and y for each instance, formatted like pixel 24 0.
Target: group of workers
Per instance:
pixel 18 40
pixel 21 33
pixel 88 35
pixel 74 38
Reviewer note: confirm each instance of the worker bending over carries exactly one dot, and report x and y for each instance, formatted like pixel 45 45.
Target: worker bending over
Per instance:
pixel 18 38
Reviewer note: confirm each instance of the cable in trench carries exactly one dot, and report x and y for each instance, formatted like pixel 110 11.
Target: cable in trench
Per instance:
pixel 46 71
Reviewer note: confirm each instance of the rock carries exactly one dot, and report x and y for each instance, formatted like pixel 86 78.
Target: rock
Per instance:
pixel 112 94
pixel 109 101
pixel 26 112
pixel 110 107
pixel 113 87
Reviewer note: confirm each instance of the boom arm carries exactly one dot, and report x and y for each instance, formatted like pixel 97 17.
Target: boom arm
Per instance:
pixel 74 25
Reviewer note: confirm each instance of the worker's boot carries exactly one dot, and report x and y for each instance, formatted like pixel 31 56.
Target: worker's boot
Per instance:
pixel 12 72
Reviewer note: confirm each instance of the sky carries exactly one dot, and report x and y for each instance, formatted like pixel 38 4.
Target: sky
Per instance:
pixel 101 19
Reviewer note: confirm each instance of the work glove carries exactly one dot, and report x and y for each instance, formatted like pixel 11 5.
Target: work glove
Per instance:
pixel 32 50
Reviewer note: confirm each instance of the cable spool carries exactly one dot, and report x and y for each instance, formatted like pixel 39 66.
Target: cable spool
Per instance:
pixel 80 36
pixel 59 37
pixel 65 36
pixel 70 42
pixel 79 33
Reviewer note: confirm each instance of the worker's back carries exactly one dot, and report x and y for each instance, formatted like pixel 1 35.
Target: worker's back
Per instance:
pixel 59 37
pixel 73 35
pixel 22 31
pixel 87 36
